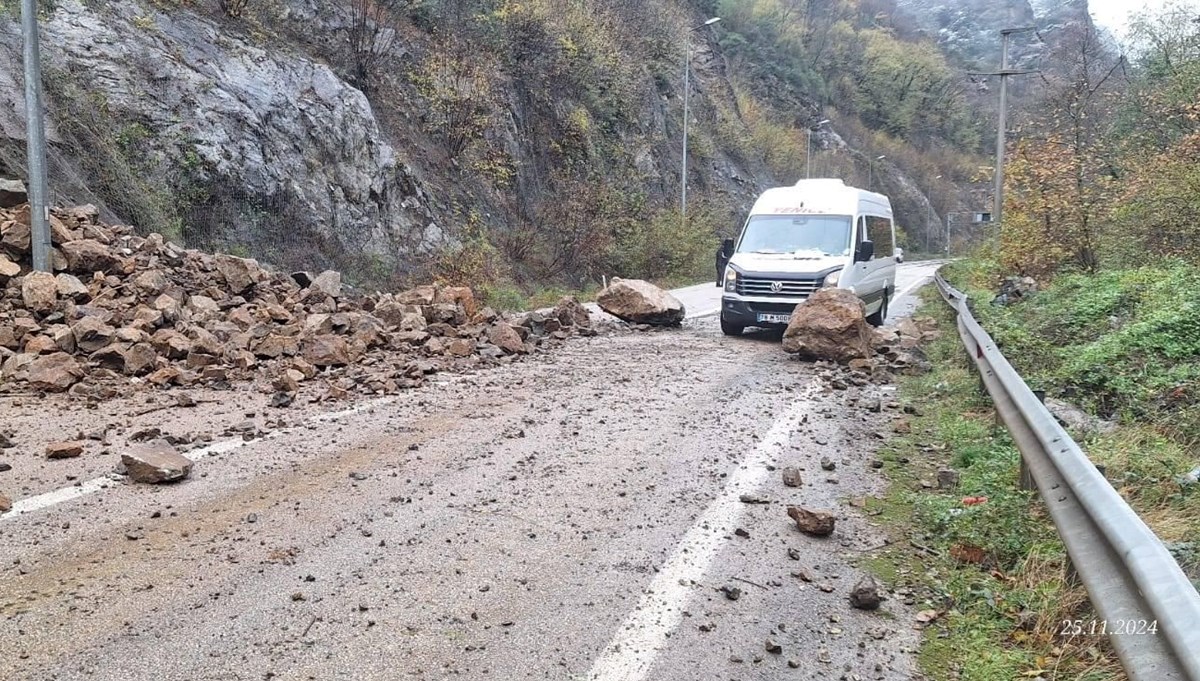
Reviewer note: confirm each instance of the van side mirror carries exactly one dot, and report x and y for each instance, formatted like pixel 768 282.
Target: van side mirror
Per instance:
pixel 866 251
pixel 727 248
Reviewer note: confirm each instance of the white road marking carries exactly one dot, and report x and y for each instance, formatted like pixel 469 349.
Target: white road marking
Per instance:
pixel 631 653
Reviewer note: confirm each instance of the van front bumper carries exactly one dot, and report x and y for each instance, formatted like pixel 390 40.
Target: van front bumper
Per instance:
pixel 743 311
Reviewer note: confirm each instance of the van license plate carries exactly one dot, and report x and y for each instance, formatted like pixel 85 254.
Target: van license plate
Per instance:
pixel 774 318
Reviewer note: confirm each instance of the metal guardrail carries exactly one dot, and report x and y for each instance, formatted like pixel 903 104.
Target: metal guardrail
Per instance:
pixel 1134 584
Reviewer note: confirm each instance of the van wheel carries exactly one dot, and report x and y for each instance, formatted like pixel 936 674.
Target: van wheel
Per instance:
pixel 731 329
pixel 880 317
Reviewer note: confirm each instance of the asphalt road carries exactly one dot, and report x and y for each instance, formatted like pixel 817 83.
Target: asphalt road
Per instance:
pixel 576 516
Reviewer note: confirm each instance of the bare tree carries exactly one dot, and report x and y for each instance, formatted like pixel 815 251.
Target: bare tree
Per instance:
pixel 373 33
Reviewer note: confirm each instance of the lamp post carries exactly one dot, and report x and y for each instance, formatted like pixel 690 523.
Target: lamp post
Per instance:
pixel 35 136
pixel 808 152
pixel 687 91
pixel 871 171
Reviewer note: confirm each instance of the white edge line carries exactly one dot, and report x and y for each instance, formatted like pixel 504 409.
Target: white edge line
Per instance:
pixel 58 496
pixel 631 653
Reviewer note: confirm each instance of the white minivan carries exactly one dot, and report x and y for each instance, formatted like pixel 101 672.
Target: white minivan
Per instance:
pixel 799 239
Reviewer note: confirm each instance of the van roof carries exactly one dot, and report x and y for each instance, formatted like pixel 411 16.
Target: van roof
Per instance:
pixel 826 196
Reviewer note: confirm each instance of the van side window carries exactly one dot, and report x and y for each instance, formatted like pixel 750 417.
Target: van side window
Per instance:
pixel 879 230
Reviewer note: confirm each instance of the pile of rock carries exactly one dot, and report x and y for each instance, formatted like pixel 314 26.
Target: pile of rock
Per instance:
pixel 832 326
pixel 121 307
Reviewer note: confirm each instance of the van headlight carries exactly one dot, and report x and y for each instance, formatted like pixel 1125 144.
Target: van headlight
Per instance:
pixel 730 280
pixel 832 279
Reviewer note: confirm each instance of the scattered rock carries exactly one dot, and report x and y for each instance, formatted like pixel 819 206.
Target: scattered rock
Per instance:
pixel 829 325
pixel 947 478
pixel 816 523
pixel 12 193
pixel 39 292
pixel 56 372
pixel 1013 289
pixel 641 302
pixel 792 477
pixel 64 450
pixel 827 464
pixel 866 594
pixel 6 504
pixel 754 499
pixel 731 592
pixel 773 647
pixel 155 463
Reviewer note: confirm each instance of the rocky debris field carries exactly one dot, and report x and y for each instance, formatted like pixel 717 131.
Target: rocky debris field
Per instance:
pixel 122 311
pixel 505 524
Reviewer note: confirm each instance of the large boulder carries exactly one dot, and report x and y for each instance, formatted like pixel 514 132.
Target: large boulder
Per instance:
pixel 830 325
pixel 641 302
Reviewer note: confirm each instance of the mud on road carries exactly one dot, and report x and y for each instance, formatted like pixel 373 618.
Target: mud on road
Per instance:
pixel 576 516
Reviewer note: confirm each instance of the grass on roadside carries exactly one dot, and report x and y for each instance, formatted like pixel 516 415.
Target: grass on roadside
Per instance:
pixel 993 571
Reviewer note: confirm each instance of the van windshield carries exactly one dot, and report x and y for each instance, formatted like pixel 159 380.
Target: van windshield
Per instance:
pixel 777 234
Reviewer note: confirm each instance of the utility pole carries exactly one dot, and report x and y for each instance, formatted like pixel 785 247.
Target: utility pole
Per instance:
pixel 1002 123
pixel 687 91
pixel 35 135
pixel 808 152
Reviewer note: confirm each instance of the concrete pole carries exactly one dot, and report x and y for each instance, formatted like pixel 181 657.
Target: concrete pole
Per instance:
pixel 808 156
pixel 687 89
pixel 35 135
pixel 1001 134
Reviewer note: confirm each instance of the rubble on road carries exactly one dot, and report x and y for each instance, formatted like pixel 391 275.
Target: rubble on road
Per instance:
pixel 124 309
pixel 641 302
pixel 816 523
pixel 155 463
pixel 866 595
pixel 6 504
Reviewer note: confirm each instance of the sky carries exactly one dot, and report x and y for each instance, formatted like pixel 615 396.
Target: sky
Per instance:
pixel 1114 14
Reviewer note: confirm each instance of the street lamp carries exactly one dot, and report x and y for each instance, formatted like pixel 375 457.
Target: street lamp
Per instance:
pixel 808 153
pixel 871 171
pixel 687 90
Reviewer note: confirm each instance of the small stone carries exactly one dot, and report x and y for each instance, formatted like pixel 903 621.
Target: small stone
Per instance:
pixel 6 504
pixel 156 463
pixel 865 595
pixel 64 450
pixel 753 499
pixel 773 647
pixel 744 534
pixel 816 523
pixel 947 478
pixel 731 592
pixel 828 465
pixel 792 477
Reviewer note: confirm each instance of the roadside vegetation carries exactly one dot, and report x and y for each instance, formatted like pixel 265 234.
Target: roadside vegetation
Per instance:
pixel 1102 213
